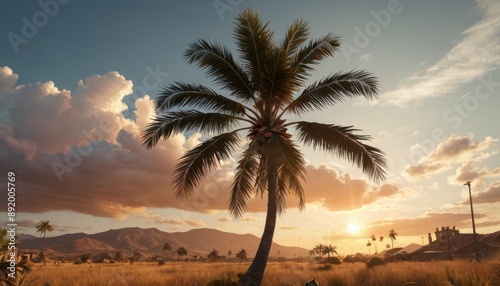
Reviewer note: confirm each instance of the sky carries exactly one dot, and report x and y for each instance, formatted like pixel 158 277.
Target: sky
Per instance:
pixel 77 85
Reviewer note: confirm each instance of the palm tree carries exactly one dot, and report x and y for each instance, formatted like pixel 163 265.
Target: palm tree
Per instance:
pixel 369 244
pixel 374 239
pixel 42 227
pixel 181 251
pixel 265 85
pixel 319 249
pixel 312 252
pixel 392 236
pixel 329 250
pixel 229 253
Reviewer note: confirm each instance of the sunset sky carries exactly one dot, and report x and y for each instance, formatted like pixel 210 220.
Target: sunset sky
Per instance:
pixel 78 79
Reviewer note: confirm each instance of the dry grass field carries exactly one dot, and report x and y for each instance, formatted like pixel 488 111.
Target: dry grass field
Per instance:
pixel 277 274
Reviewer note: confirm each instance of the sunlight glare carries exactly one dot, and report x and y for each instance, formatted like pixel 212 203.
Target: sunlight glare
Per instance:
pixel 352 228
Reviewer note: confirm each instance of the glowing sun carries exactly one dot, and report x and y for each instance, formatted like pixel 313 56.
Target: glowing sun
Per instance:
pixel 352 228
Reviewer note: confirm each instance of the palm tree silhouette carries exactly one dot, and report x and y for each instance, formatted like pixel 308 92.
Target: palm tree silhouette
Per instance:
pixel 369 244
pixel 42 227
pixel 265 85
pixel 329 250
pixel 374 239
pixel 319 249
pixel 392 236
pixel 181 251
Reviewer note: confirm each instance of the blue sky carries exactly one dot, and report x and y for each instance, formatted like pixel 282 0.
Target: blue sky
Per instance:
pixel 77 77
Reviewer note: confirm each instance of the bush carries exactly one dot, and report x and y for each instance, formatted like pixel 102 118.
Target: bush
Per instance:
pixel 161 262
pixel 374 261
pixel 78 262
pixel 332 260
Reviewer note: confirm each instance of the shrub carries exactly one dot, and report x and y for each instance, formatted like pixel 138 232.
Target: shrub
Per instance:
pixel 78 262
pixel 374 261
pixel 333 260
pixel 161 262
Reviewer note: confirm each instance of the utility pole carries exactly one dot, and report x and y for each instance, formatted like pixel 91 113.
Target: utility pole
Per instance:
pixel 473 224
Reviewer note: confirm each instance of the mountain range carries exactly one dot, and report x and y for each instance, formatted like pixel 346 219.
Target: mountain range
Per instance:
pixel 150 242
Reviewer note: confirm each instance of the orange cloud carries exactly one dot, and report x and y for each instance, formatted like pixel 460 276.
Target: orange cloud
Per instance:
pixel 75 150
pixel 455 149
pixel 489 196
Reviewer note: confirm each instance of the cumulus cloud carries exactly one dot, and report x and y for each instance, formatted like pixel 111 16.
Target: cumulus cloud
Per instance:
pixel 473 57
pixel 335 191
pixel 75 150
pixel 453 150
pixel 7 80
pixel 469 171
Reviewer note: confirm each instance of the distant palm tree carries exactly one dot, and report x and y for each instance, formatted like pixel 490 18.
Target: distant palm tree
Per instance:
pixel 381 238
pixel 319 249
pixel 374 239
pixel 229 253
pixel 392 236
pixel 369 244
pixel 261 89
pixel 329 250
pixel 166 248
pixel 42 227
pixel 181 251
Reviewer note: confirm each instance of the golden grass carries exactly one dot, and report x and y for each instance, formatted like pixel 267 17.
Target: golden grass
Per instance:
pixel 447 273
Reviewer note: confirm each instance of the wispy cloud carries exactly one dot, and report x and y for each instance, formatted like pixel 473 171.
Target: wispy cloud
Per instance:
pixel 289 227
pixel 474 56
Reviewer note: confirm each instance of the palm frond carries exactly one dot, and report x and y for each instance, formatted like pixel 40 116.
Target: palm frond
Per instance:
pixel 312 53
pixel 290 182
pixel 343 142
pixel 296 35
pixel 242 186
pixel 261 178
pixel 281 197
pixel 253 41
pixel 275 81
pixel 284 155
pixel 335 88
pixel 205 157
pixel 221 67
pixel 164 126
pixel 181 94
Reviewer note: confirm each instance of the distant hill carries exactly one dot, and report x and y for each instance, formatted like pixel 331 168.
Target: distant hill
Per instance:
pixel 150 242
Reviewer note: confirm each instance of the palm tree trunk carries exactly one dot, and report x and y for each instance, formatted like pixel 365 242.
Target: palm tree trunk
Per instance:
pixel 255 273
pixel 43 249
